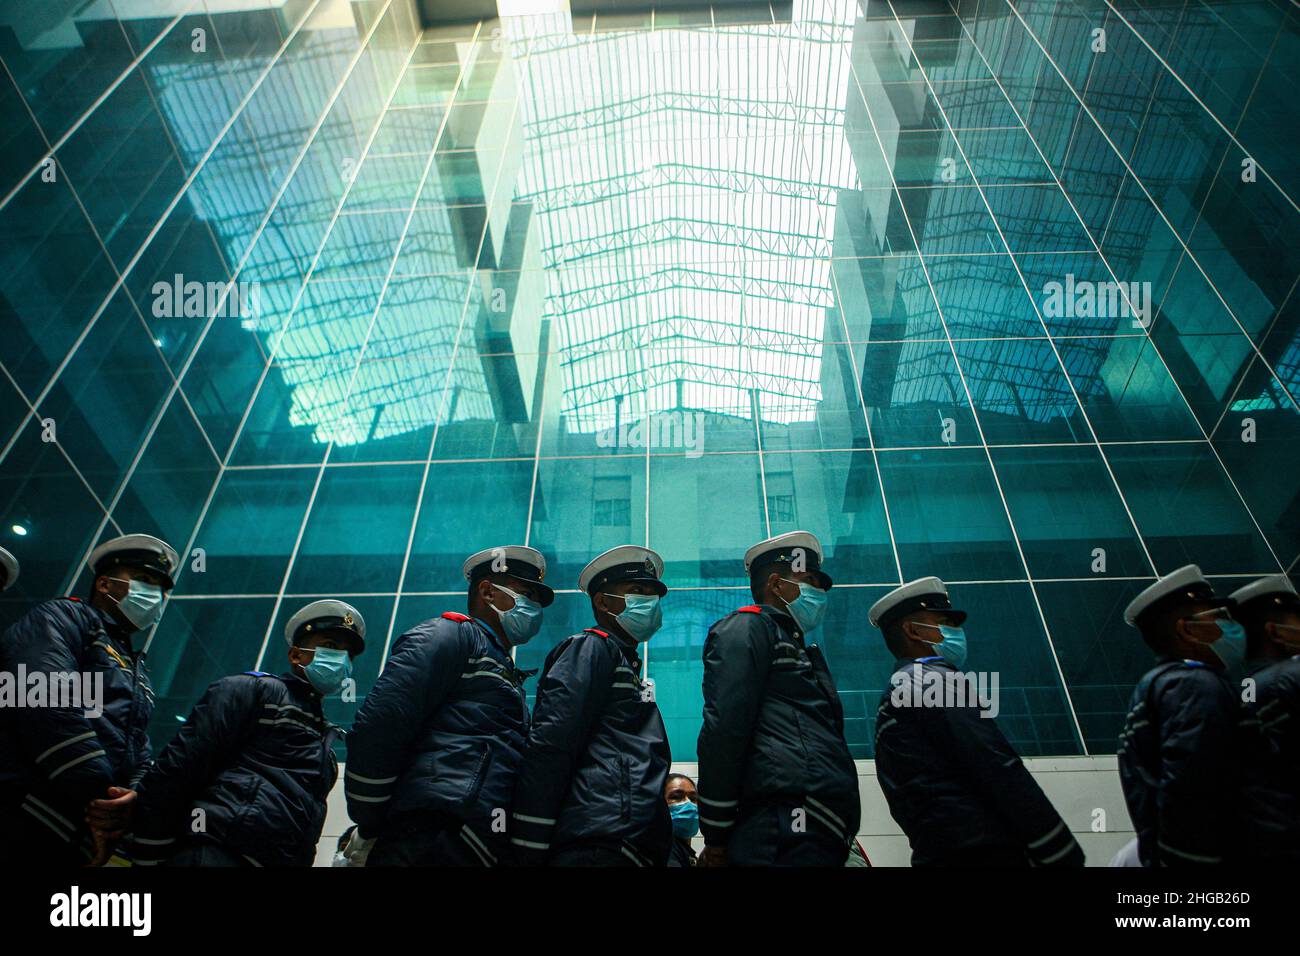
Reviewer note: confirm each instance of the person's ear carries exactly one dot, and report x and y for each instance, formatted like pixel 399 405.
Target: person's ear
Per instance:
pixel 774 583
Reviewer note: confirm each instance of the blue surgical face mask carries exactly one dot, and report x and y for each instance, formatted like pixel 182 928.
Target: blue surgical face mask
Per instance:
pixel 809 607
pixel 686 819
pixel 641 616
pixel 142 604
pixel 328 669
pixel 952 645
pixel 522 622
pixel 1231 645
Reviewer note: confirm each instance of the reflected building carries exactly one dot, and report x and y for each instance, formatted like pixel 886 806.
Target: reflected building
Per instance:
pixel 689 277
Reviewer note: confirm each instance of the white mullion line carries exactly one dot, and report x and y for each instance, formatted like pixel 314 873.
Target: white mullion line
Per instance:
pixel 853 364
pixel 1015 536
pixel 225 292
pixel 1210 113
pixel 123 273
pixel 300 466
pixel 1277 315
pixel 112 264
pixel 68 458
pixel 428 463
pixel 1151 199
pixel 1106 262
pixel 846 586
pixel 447 382
pixel 374 317
pixel 248 252
pixel 99 101
pixel 1065 374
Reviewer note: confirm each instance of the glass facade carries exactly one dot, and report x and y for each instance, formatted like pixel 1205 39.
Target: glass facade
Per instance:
pixel 998 291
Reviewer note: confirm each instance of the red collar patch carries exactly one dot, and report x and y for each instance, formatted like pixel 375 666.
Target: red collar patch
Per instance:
pixel 750 609
pixel 596 630
pixel 454 616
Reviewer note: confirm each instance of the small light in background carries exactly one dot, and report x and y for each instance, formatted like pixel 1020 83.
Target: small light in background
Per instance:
pixel 20 531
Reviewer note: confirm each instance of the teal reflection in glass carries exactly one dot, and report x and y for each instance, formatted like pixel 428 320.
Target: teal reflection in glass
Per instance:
pixel 858 659
pixel 199 641
pixel 1093 536
pixel 51 291
pixel 1020 391
pixel 1002 156
pixel 1126 390
pixel 466 507
pixel 583 506
pixel 915 395
pixel 1037 218
pixel 947 516
pixel 110 391
pixel 358 529
pixel 809 401
pixel 675 659
pixel 982 297
pixel 704 515
pixel 1187 509
pixel 43 495
pixel 1004 635
pixel 885 299
pixel 249 531
pixel 1101 656
pixel 927 158
pixel 172 479
pixel 950 220
pixel 569 614
pixel 836 496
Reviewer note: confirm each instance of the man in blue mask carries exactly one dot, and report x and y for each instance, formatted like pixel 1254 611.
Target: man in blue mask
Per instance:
pixel 70 758
pixel 953 782
pixel 1185 731
pixel 1269 610
pixel 777 783
pixel 683 806
pixel 591 789
pixel 245 781
pixel 436 747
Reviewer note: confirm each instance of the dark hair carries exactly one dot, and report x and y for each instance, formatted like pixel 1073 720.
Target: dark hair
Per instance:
pixel 894 636
pixel 758 577
pixel 677 776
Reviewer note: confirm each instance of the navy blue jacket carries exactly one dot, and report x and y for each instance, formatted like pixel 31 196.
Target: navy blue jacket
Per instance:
pixel 54 760
pixel 1274 811
pixel 597 757
pixel 440 734
pixel 773 728
pixel 953 782
pixel 1181 766
pixel 249 771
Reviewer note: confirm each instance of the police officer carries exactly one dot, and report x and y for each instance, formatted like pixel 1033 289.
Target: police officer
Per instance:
pixel 777 783
pixel 1269 609
pixel 245 781
pixel 8 570
pixel 72 759
pixel 591 792
pixel 953 783
pixel 682 799
pixel 1177 752
pixel 435 749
